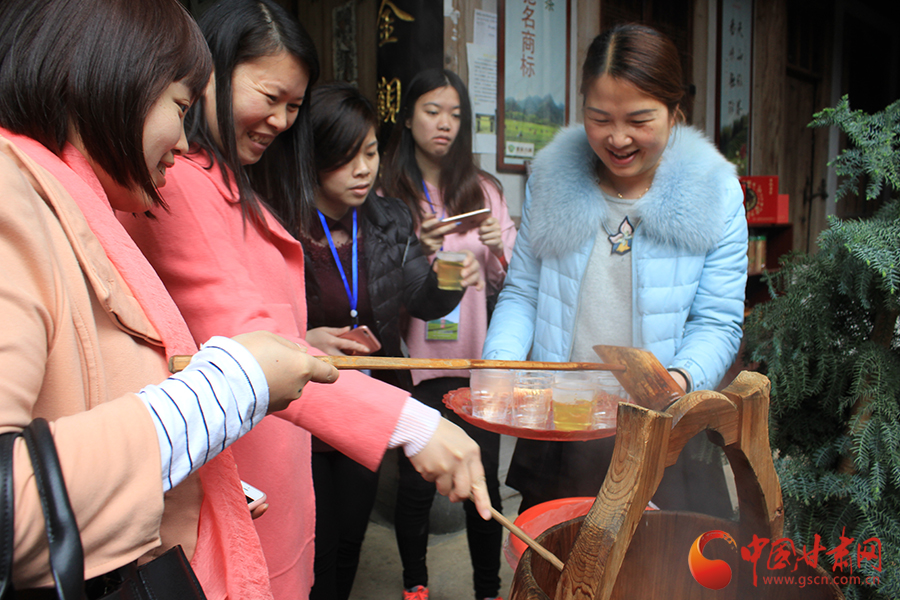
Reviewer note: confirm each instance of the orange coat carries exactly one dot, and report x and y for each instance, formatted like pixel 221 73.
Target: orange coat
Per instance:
pixel 74 345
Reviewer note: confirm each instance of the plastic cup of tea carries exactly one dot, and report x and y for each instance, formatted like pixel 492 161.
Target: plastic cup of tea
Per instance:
pixel 449 269
pixel 573 400
pixel 606 400
pixel 532 399
pixel 491 391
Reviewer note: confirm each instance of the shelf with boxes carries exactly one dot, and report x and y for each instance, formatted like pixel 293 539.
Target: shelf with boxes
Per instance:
pixel 770 232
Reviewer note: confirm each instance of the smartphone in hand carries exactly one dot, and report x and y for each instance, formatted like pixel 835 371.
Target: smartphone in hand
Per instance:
pixel 467 221
pixel 364 336
pixel 255 497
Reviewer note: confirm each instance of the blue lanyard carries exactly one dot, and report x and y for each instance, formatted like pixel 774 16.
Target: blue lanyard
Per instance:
pixel 431 204
pixel 352 296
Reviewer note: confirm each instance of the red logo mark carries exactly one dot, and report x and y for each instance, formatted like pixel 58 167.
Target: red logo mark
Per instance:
pixel 712 574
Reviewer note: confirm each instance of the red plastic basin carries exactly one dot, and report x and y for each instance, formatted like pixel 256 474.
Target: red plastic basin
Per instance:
pixel 541 517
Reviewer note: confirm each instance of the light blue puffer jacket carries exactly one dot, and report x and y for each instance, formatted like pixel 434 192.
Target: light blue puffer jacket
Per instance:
pixel 689 261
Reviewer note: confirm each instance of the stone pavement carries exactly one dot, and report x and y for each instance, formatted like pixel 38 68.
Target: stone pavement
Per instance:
pixel 449 566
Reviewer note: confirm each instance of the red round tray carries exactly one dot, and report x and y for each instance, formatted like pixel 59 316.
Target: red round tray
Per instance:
pixel 459 402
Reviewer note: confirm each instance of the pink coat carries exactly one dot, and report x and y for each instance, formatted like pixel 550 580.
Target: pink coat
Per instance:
pixel 230 277
pixel 473 307
pixel 75 343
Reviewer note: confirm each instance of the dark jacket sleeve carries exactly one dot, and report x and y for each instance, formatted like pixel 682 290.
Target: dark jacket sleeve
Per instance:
pixel 421 295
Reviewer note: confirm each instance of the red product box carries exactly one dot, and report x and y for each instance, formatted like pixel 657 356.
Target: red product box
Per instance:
pixel 783 214
pixel 764 205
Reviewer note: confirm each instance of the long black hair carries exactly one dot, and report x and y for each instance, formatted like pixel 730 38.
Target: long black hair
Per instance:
pixel 238 31
pixel 97 66
pixel 461 189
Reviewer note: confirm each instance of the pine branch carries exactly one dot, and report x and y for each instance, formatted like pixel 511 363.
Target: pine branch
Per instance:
pixel 875 138
pixel 829 341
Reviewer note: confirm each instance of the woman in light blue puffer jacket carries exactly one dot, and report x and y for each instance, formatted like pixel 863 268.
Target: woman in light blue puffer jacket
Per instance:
pixel 633 234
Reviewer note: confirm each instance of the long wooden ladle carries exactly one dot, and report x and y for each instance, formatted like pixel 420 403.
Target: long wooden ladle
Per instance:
pixel 179 362
pixel 517 531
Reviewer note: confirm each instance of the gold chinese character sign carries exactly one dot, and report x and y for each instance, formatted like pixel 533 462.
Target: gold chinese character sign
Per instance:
pixel 388 100
pixel 387 13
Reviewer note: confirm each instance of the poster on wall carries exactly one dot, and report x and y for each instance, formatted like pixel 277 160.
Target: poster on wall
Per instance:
pixel 533 78
pixel 481 59
pixel 735 51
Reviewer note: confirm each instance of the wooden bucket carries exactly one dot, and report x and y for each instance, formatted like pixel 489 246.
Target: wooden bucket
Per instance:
pixel 619 551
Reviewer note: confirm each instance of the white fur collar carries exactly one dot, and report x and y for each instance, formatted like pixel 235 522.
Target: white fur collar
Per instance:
pixel 684 207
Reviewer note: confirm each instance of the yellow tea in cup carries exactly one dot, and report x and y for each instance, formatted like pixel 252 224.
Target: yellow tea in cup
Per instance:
pixel 572 416
pixel 573 401
pixel 449 270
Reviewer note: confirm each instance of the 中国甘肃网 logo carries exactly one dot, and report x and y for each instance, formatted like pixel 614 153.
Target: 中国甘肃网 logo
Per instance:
pixel 784 559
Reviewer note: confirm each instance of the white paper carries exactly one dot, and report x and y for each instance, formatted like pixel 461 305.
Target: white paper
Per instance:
pixel 482 63
pixel 485 28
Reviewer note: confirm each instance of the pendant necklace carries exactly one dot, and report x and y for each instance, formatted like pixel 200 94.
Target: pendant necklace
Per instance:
pixel 599 173
pixel 641 195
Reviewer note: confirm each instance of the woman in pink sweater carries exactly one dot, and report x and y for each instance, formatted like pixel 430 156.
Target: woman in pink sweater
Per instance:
pixel 231 266
pixel 429 165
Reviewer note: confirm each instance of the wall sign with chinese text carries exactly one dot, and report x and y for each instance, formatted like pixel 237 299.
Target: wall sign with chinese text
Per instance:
pixel 410 39
pixel 735 58
pixel 532 83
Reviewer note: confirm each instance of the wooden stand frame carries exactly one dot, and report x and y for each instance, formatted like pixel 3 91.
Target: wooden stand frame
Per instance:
pixel 619 550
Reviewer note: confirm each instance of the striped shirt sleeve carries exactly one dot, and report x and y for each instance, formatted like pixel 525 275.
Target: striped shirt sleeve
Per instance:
pixel 206 407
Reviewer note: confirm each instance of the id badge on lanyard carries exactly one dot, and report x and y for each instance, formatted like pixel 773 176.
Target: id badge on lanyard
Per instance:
pixel 444 329
pixel 447 327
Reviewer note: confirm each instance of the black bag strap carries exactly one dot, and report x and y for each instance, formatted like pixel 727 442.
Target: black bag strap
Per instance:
pixel 66 552
pixel 168 576
pixel 7 510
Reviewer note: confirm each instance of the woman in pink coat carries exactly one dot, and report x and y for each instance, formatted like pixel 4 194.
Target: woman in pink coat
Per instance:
pixel 232 266
pixel 86 325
